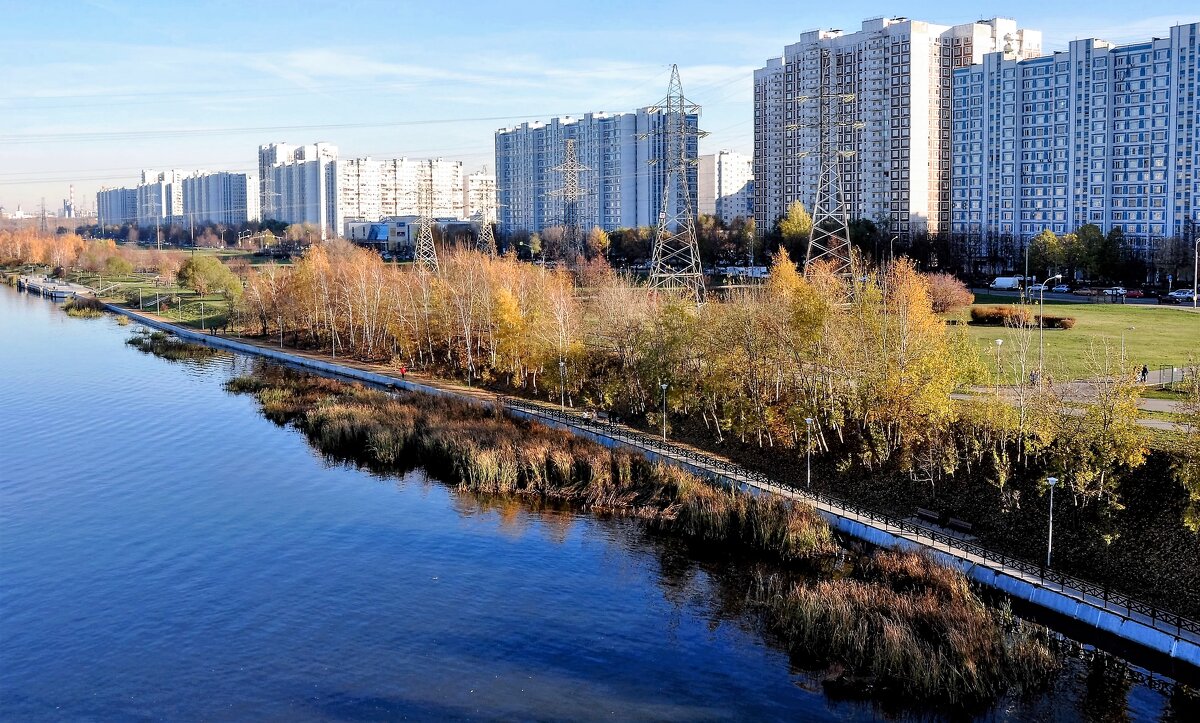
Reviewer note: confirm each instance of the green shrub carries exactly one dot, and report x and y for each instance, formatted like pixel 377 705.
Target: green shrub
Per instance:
pixel 1001 315
pixel 84 307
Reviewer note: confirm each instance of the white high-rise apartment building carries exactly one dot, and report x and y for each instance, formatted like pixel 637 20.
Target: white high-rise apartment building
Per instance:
pixel 116 206
pixel 159 198
pixel 300 185
pixel 222 197
pixel 621 188
pixel 899 71
pixel 369 190
pixel 1100 134
pixel 479 195
pixel 726 185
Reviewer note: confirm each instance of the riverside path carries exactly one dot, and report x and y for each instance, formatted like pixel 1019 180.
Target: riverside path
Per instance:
pixel 1087 603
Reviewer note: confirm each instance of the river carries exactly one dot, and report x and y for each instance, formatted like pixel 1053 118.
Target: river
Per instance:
pixel 168 553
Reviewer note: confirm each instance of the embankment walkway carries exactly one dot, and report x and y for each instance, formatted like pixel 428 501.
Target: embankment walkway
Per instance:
pixel 1087 603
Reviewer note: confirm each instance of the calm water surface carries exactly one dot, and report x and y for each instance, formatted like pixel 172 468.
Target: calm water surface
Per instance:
pixel 167 553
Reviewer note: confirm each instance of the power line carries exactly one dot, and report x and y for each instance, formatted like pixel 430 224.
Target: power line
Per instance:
pixel 94 136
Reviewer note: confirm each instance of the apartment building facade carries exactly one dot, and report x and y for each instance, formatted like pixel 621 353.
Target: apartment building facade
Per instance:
pixel 116 206
pixel 479 196
pixel 159 198
pixel 725 185
pixel 372 189
pixel 1100 134
pixel 300 184
pixel 895 75
pixel 221 197
pixel 624 157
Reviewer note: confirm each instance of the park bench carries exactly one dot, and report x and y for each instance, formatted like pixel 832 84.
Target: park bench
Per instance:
pixel 928 515
pixel 960 525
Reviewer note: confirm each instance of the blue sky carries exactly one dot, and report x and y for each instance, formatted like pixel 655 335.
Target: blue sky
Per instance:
pixel 92 91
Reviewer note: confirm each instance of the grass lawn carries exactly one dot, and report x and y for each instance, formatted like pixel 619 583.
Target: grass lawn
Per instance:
pixel 1152 335
pixel 1167 394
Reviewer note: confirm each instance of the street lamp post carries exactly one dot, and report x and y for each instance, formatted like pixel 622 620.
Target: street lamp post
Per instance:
pixel 1041 324
pixel 1025 278
pixel 663 386
pixel 999 343
pixel 280 332
pixel 808 422
pixel 892 248
pixel 562 384
pixel 1052 481
pixel 1195 270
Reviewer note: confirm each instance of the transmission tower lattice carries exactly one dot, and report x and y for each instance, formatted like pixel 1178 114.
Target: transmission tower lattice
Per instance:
pixel 425 255
pixel 829 238
pixel 571 194
pixel 675 266
pixel 485 237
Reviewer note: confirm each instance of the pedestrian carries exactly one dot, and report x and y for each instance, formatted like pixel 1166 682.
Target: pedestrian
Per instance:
pixel 403 372
pixel 1145 373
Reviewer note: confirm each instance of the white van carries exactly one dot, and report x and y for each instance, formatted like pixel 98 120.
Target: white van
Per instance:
pixel 1012 283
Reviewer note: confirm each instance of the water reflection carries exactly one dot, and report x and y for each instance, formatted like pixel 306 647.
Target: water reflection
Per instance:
pixel 166 552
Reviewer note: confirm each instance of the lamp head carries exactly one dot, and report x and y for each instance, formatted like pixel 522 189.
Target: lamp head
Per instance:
pixel 808 420
pixel 1051 481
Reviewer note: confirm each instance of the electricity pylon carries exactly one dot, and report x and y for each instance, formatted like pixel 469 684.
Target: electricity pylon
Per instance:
pixel 425 255
pixel 829 239
pixel 572 194
pixel 485 239
pixel 676 260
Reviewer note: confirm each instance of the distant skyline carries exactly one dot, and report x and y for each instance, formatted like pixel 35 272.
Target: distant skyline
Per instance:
pixel 91 92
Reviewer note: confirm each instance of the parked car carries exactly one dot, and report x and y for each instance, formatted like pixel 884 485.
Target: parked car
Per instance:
pixel 1136 294
pixel 1178 296
pixel 1085 291
pixel 1115 291
pixel 1061 289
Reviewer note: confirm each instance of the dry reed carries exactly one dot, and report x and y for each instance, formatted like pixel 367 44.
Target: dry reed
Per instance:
pixel 901 621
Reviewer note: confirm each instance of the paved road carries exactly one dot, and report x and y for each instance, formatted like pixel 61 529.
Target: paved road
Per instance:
pixel 1073 299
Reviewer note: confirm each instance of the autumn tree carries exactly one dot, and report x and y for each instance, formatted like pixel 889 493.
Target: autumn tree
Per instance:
pixel 204 274
pixel 947 294
pixel 795 228
pixel 597 243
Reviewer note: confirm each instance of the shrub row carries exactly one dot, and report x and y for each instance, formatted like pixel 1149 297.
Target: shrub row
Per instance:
pixel 1017 316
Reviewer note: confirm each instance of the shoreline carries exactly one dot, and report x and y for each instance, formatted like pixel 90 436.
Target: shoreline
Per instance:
pixel 1178 638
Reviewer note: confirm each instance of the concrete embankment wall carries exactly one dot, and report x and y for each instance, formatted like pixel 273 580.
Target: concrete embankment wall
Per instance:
pixel 1044 597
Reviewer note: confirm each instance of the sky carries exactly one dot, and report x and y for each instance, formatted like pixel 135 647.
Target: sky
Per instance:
pixel 92 91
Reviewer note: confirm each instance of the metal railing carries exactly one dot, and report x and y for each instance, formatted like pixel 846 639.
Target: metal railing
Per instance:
pixel 736 476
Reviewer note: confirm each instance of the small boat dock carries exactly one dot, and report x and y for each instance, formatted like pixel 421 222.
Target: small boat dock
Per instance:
pixel 50 288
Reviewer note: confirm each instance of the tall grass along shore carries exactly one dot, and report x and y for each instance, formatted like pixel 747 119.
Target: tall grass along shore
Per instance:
pixel 900 623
